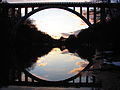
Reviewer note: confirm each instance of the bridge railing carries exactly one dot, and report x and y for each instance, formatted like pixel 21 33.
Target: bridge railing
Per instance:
pixel 83 80
pixel 93 12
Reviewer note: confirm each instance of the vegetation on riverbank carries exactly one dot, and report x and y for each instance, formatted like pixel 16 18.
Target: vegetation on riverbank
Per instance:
pixel 26 33
pixel 102 34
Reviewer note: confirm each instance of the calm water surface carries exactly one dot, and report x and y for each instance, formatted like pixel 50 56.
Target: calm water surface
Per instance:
pixel 58 65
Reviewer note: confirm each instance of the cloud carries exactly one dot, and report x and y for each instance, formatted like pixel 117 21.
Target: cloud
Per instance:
pixel 76 70
pixel 40 61
pixel 74 58
pixel 66 35
pixel 42 64
pixel 65 51
pixel 82 66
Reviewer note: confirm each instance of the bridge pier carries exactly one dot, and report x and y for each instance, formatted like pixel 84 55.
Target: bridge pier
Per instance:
pixel 103 15
pixel 19 12
pixel 26 10
pixel 94 18
pixel 32 8
pixel 88 13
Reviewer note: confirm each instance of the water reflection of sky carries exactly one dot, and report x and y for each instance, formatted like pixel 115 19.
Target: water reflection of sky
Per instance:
pixel 58 65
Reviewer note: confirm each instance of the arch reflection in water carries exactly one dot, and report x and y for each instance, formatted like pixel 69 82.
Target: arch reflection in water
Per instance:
pixel 58 65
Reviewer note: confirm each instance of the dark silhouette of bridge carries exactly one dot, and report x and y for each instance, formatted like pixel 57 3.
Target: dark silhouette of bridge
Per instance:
pixel 25 78
pixel 90 13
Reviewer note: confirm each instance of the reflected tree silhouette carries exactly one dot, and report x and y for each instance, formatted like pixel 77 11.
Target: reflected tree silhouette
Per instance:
pixel 15 60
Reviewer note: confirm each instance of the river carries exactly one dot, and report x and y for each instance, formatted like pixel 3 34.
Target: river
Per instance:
pixel 55 64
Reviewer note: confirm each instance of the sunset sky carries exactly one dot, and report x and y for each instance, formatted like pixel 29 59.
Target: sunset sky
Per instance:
pixel 57 21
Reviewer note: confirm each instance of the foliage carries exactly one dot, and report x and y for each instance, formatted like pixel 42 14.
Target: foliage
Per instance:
pixel 28 33
pixel 102 34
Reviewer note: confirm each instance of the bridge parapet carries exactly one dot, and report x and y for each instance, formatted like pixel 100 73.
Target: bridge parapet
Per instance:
pixel 91 13
pixel 67 4
pixel 27 79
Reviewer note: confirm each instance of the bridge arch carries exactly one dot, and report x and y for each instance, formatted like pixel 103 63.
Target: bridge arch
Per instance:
pixel 59 7
pixel 22 19
pixel 40 9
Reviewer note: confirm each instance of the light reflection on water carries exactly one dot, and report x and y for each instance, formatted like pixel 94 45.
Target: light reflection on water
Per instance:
pixel 58 65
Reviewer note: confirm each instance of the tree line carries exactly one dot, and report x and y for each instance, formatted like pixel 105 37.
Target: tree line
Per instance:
pixel 26 34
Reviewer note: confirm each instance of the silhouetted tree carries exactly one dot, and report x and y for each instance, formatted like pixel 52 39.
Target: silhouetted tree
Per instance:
pixel 71 39
pixel 28 34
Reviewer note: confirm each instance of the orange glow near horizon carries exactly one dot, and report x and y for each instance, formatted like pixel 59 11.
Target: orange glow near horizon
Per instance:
pixel 56 36
pixel 55 50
